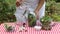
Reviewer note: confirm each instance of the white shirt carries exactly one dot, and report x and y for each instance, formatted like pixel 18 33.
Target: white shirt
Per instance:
pixel 30 3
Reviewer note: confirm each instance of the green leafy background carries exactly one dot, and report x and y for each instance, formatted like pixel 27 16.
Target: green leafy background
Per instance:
pixel 7 9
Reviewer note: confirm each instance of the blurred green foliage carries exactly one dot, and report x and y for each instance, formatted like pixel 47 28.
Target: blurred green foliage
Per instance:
pixel 31 20
pixel 7 9
pixel 53 10
pixel 57 0
pixel 46 20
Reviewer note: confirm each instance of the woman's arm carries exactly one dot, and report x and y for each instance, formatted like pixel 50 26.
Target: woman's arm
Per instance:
pixel 40 4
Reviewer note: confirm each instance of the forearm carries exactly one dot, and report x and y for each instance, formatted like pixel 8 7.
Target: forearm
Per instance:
pixel 40 4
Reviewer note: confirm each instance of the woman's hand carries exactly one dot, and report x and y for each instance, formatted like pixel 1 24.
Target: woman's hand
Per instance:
pixel 18 3
pixel 37 14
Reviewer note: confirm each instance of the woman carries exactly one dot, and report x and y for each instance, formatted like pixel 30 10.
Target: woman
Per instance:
pixel 35 6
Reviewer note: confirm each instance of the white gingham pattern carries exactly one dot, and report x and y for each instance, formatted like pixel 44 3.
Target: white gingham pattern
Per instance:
pixel 54 30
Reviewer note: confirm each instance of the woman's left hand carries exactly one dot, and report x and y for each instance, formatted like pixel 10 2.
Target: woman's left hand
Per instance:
pixel 37 14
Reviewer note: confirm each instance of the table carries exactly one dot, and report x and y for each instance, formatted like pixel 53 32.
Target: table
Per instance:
pixel 30 30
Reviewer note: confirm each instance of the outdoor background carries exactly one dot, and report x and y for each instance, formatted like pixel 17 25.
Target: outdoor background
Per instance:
pixel 8 7
pixel 53 9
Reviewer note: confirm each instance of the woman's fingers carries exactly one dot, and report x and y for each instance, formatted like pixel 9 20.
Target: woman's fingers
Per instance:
pixel 37 15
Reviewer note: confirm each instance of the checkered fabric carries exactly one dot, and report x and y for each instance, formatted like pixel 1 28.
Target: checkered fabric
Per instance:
pixel 30 30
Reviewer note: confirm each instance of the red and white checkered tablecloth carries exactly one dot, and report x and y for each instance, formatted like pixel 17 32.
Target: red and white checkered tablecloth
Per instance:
pixel 54 30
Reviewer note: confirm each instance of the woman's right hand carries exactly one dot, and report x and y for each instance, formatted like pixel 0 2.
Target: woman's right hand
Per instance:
pixel 18 3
